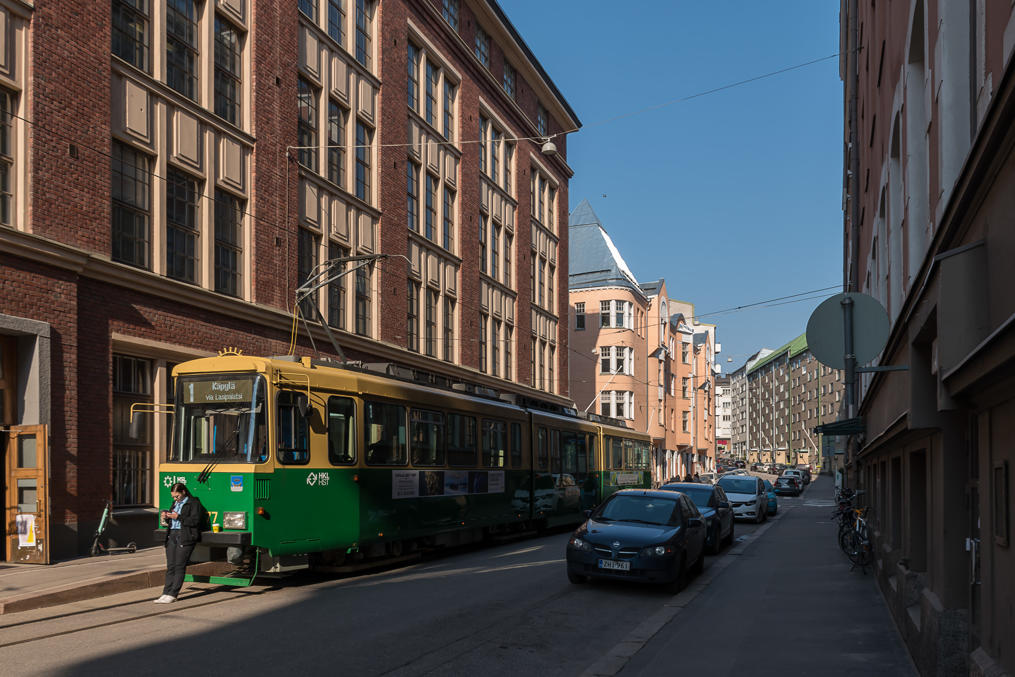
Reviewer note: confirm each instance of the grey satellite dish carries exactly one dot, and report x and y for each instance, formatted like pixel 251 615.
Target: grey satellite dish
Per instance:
pixel 826 337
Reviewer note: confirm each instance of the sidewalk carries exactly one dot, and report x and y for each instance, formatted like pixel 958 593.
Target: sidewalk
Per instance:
pixel 781 603
pixel 33 586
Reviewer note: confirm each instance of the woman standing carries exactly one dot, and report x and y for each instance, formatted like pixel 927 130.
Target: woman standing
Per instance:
pixel 183 533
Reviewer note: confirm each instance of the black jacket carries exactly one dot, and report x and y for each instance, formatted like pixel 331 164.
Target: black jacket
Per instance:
pixel 191 521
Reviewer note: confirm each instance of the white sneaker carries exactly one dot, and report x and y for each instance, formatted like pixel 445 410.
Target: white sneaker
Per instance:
pixel 165 599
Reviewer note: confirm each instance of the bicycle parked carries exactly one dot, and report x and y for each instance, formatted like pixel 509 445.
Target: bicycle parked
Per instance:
pixel 854 535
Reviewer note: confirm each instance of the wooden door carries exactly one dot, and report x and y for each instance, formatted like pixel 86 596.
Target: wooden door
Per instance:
pixel 27 495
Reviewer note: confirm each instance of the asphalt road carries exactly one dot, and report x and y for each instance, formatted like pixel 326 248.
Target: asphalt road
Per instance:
pixel 500 610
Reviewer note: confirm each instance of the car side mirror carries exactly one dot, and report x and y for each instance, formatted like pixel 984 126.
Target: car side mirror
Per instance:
pixel 724 504
pixel 695 522
pixel 588 514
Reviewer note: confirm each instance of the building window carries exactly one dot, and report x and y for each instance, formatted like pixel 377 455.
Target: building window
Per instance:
pixel 482 47
pixel 181 47
pixel 336 21
pixel 413 77
pixel 336 287
pixel 494 251
pixel 508 339
pixel 227 71
pixel 508 244
pixel 551 275
pixel 495 142
pixel 449 219
pixel 450 11
pixel 683 421
pixel 541 120
pixel 605 360
pixel 336 143
pixel 363 301
pixel 483 338
pixel 431 207
pixel 449 329
pixel 306 124
pixel 364 31
pixel 181 226
pixel 550 386
pixel 542 365
pixel 412 316
pixel 131 192
pixel 308 7
pixel 130 32
pixel 306 264
pixel 432 87
pixel 483 218
pixel 606 403
pixel 484 130
pixel 509 79
pixel 509 154
pixel 495 349
pixel 449 110
pixel 132 445
pixel 579 317
pixel 228 242
pixel 364 140
pixel 6 154
pixel 604 313
pixel 430 318
pixel 685 354
pixel 412 194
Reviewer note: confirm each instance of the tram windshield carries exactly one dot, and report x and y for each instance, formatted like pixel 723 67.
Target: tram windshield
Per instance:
pixel 220 419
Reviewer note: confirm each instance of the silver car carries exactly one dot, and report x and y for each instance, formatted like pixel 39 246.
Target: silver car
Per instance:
pixel 748 496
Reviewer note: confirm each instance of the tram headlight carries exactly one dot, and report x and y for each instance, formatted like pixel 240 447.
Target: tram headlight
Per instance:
pixel 234 520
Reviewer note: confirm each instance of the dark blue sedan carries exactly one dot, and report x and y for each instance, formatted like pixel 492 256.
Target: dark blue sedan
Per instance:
pixel 639 535
pixel 715 507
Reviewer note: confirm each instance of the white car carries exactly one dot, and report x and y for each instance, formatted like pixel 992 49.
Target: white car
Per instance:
pixel 747 495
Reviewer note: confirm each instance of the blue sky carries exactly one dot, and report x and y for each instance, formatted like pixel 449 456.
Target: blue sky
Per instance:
pixel 733 197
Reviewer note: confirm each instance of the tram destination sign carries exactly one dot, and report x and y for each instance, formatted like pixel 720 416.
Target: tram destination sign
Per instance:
pixel 220 390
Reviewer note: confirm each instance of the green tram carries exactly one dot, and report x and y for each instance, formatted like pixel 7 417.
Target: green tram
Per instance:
pixel 303 462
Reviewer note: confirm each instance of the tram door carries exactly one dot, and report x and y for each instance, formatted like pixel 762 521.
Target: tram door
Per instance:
pixel 26 495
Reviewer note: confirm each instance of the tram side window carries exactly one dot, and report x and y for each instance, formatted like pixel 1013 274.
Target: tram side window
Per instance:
pixel 385 427
pixel 593 448
pixel 293 428
pixel 569 452
pixel 628 454
pixel 581 453
pixel 618 453
pixel 461 440
pixel 341 431
pixel 541 455
pixel 516 445
pixel 555 452
pixel 426 435
pixel 494 444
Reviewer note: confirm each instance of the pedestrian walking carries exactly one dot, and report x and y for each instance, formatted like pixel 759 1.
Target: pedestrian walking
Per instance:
pixel 182 534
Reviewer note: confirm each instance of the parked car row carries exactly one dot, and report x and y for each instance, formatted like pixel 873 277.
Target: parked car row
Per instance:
pixel 662 535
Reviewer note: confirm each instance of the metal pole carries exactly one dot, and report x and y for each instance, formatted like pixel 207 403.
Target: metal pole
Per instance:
pixel 850 356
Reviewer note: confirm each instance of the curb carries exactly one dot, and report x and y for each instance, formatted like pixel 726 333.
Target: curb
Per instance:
pixel 96 587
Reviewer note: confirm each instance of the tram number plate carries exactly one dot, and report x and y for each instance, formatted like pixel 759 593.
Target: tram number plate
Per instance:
pixel 614 565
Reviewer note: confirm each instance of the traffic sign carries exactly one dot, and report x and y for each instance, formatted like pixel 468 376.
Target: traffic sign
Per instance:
pixel 826 334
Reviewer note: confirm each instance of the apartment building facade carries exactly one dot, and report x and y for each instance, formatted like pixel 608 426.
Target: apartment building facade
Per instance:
pixel 635 356
pixel 929 177
pixel 779 397
pixel 175 169
pixel 723 415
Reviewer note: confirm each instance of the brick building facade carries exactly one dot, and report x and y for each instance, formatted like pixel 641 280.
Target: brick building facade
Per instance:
pixel 173 170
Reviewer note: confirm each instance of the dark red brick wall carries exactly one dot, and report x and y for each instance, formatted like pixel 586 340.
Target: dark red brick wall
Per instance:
pixel 274 196
pixel 69 105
